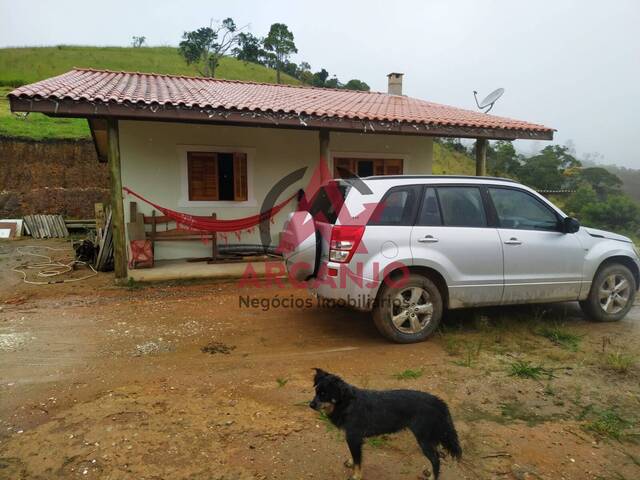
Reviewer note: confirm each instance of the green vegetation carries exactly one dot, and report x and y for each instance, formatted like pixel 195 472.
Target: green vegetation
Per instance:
pixel 409 374
pixel 37 126
pixel 447 161
pixel 560 336
pixel 608 423
pixel 19 66
pixel 525 369
pixel 619 362
pixel 471 353
pixel 281 381
pixel 378 442
pixel 31 64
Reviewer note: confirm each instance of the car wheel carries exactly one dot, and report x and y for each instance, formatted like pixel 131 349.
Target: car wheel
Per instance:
pixel 611 296
pixel 409 311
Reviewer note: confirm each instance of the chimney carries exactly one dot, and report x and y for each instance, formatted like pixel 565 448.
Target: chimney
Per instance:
pixel 395 83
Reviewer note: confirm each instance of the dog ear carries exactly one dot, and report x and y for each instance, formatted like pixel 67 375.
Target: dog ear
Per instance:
pixel 320 374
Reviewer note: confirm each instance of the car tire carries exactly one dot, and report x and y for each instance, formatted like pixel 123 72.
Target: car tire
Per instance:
pixel 416 300
pixel 609 299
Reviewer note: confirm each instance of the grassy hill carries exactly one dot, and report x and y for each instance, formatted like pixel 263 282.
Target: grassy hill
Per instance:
pixel 19 66
pixel 449 162
pixel 30 64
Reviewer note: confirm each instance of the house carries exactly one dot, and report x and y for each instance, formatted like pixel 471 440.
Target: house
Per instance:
pixel 203 146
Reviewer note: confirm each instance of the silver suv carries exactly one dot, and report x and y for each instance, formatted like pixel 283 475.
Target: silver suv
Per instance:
pixel 409 247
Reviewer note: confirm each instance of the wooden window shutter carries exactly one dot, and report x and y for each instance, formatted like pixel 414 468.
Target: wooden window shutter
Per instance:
pixel 202 176
pixel 342 164
pixel 240 188
pixel 378 167
pixel 393 167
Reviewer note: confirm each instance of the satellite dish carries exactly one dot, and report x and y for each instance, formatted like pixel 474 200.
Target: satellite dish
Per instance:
pixel 489 100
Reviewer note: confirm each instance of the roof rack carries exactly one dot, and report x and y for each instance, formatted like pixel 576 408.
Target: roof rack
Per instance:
pixel 466 177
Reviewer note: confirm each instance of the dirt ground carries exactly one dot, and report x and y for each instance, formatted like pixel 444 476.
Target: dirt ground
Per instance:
pixel 99 381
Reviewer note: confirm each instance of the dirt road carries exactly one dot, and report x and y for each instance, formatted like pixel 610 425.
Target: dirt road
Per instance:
pixel 98 381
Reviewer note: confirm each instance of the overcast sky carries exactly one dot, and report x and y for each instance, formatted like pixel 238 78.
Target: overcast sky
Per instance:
pixel 571 65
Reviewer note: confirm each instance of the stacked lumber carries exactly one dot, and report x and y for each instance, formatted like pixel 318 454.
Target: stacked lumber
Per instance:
pixel 45 226
pixel 104 258
pixel 81 224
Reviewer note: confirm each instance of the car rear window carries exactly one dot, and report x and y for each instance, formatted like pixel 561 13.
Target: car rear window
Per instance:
pixel 327 203
pixel 398 207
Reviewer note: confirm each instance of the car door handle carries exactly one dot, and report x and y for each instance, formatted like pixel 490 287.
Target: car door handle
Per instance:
pixel 513 241
pixel 428 239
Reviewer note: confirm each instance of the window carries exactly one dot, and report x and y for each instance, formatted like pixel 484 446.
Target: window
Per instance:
pixel 398 207
pixel 462 207
pixel 326 205
pixel 519 210
pixel 214 176
pixel 430 211
pixel 366 167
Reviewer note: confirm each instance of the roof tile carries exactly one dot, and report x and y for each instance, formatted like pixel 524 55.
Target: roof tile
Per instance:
pixel 149 88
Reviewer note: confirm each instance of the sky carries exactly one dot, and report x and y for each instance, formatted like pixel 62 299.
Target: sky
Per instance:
pixel 568 64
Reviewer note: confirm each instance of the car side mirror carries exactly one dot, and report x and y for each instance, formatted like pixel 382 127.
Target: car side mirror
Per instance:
pixel 570 225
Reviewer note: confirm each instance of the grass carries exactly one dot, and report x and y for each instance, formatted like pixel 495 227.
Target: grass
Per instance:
pixel 409 374
pixel 37 126
pixel 281 382
pixel 19 66
pixel 525 369
pixel 608 423
pixel 378 442
pixel 471 354
pixel 560 336
pixel 31 64
pixel 619 362
pixel 449 162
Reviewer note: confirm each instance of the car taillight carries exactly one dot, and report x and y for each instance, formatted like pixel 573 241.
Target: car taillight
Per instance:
pixel 344 242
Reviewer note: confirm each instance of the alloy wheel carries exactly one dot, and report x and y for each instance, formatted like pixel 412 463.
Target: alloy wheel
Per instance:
pixel 411 310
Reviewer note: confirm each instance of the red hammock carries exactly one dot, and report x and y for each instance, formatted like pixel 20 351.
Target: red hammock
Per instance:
pixel 208 224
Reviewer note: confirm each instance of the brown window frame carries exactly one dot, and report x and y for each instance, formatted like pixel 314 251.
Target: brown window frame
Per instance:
pixel 381 166
pixel 203 182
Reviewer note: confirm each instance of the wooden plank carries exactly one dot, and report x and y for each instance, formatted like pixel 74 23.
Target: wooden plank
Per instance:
pixel 117 207
pixel 98 208
pixel 63 226
pixel 51 225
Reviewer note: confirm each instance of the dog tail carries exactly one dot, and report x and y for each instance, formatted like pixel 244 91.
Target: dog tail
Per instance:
pixel 449 437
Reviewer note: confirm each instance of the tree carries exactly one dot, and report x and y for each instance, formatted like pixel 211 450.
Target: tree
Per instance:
pixel 549 168
pixel 503 160
pixel 249 48
pixel 602 181
pixel 207 45
pixel 355 84
pixel 333 82
pixel 319 78
pixel 138 42
pixel 280 43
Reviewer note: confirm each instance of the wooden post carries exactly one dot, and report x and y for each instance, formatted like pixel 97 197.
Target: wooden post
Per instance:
pixel 481 157
pixel 214 241
pixel 117 207
pixel 324 155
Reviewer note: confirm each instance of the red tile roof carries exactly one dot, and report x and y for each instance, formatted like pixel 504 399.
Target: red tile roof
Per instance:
pixel 100 86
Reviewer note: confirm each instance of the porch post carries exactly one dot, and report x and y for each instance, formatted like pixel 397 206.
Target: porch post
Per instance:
pixel 117 208
pixel 324 154
pixel 481 157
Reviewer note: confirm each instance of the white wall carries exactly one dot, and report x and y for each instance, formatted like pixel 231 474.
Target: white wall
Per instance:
pixel 152 156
